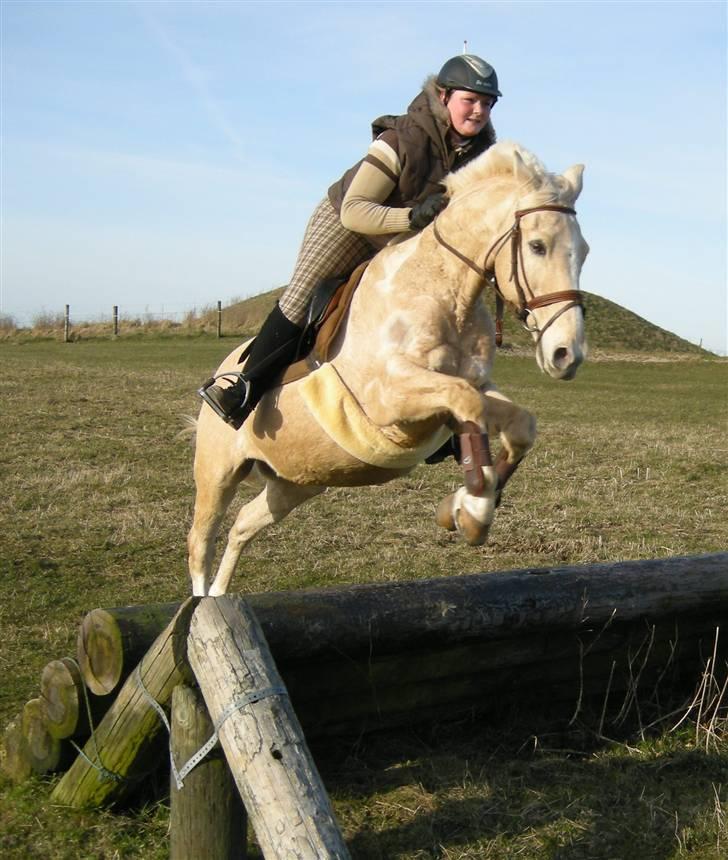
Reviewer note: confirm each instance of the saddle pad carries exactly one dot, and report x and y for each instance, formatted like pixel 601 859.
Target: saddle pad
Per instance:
pixel 339 414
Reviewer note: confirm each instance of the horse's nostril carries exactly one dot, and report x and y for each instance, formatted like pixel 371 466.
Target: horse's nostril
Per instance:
pixel 561 356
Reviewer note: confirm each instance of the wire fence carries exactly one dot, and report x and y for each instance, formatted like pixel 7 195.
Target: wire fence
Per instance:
pixel 119 320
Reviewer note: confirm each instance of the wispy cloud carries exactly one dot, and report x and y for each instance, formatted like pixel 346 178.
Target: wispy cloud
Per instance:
pixel 197 79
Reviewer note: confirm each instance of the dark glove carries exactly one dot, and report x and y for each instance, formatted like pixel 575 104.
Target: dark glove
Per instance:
pixel 424 212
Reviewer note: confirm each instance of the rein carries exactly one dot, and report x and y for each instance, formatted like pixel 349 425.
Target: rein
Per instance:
pixel 527 300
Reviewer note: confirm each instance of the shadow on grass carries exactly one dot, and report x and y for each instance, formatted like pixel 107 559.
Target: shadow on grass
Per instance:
pixel 469 791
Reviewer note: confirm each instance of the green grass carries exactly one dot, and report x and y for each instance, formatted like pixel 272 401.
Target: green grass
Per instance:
pixel 631 462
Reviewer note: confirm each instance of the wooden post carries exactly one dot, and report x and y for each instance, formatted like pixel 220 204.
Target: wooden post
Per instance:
pixel 219 319
pixel 260 734
pixel 207 817
pixel 67 324
pixel 122 750
pixel 116 320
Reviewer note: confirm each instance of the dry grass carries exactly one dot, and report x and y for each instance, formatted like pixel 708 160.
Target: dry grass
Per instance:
pixel 631 462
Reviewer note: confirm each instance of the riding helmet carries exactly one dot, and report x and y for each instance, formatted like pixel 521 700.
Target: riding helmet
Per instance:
pixel 468 72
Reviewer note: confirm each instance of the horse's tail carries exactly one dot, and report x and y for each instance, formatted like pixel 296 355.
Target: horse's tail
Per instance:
pixel 189 430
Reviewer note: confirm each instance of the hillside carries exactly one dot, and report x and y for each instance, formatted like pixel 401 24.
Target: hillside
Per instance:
pixel 611 329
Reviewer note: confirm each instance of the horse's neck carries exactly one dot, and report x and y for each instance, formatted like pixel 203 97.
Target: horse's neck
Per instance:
pixel 465 281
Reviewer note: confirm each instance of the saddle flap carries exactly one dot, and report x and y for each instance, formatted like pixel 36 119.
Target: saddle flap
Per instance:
pixel 331 319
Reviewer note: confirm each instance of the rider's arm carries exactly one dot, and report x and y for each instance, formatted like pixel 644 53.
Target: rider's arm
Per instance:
pixel 361 209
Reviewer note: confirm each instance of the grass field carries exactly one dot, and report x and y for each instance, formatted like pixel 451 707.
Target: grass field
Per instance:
pixel 631 462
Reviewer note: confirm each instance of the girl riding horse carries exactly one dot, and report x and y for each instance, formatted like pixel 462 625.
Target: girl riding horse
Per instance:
pixel 394 189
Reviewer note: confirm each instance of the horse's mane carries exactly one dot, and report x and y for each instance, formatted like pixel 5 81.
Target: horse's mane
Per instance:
pixel 499 162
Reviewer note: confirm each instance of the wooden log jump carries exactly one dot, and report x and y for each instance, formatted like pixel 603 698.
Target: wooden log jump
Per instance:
pixel 424 648
pixel 350 659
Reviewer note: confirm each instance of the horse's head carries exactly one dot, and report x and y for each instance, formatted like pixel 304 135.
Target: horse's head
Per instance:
pixel 535 257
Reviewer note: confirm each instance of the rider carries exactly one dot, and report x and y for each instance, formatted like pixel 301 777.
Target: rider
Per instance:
pixel 395 188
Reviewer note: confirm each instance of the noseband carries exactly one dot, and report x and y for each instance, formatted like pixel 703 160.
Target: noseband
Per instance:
pixel 527 300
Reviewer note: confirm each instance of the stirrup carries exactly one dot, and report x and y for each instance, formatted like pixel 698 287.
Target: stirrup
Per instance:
pixel 234 419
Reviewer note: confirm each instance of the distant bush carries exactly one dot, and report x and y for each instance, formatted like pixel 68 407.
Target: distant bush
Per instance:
pixel 48 320
pixel 7 324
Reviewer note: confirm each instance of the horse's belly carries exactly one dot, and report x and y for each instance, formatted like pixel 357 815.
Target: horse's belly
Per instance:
pixel 284 434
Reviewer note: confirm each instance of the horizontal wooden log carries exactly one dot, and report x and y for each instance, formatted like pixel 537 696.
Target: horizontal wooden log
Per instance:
pixel 357 639
pixel 263 741
pixel 419 614
pixel 122 750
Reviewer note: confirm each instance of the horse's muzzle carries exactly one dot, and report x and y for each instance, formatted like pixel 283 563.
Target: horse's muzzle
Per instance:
pixel 562 363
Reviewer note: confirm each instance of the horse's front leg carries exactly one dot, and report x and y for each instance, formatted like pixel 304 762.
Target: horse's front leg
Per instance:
pixel 517 429
pixel 466 510
pixel 412 393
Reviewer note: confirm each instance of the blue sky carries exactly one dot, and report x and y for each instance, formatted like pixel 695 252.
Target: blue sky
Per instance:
pixel 163 155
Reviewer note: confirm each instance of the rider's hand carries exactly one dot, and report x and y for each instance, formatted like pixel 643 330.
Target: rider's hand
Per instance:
pixel 424 212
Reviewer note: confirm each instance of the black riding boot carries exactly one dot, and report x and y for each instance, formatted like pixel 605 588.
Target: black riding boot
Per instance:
pixel 274 348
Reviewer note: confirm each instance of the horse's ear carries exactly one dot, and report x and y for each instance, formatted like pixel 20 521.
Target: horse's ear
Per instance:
pixel 520 171
pixel 574 177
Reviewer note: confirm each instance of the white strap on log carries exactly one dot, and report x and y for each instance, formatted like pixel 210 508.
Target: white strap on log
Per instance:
pixel 237 705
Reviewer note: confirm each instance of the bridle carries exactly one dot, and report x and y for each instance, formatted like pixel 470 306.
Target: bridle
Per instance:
pixel 527 300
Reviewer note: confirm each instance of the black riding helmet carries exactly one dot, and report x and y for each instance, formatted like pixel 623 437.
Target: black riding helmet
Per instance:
pixel 468 72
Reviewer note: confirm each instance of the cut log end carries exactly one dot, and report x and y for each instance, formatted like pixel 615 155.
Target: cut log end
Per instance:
pixel 14 755
pixel 44 751
pixel 61 689
pixel 100 652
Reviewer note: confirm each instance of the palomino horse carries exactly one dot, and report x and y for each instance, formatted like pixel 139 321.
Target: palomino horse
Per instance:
pixel 412 364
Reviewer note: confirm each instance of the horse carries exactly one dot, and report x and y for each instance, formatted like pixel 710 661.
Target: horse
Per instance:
pixel 411 365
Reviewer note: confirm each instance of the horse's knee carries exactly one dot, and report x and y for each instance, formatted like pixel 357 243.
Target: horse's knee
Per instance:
pixel 519 436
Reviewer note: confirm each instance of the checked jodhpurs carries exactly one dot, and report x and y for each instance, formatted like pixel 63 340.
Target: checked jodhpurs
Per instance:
pixel 328 250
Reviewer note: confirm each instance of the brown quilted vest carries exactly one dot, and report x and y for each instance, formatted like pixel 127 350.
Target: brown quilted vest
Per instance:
pixel 423 151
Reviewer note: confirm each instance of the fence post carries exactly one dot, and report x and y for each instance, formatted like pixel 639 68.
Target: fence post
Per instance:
pixel 67 324
pixel 116 320
pixel 219 319
pixel 207 817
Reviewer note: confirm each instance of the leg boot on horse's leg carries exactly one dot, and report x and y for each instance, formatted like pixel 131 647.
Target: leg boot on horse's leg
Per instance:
pixel 273 349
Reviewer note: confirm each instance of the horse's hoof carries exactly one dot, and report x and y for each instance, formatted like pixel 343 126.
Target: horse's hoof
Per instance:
pixel 474 532
pixel 444 515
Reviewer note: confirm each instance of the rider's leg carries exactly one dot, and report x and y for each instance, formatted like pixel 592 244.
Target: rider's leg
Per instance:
pixel 328 249
pixel 274 348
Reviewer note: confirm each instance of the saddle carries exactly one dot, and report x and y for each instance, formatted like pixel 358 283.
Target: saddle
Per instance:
pixel 326 313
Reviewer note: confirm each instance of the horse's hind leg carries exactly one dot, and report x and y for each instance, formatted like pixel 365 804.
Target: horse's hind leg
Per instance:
pixel 216 482
pixel 275 502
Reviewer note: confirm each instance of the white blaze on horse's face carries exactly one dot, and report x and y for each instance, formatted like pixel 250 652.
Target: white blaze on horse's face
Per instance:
pixel 553 255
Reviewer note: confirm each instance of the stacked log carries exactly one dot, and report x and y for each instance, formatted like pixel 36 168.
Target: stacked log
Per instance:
pixel 124 748
pixel 39 740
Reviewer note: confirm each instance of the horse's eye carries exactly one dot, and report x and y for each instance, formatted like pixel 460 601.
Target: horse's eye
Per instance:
pixel 538 247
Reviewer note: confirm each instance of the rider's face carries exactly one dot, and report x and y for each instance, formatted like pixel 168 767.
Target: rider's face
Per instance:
pixel 469 112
